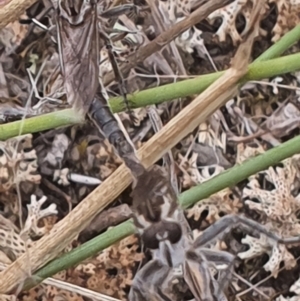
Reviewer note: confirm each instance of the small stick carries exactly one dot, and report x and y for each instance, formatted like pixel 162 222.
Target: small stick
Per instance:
pixel 167 36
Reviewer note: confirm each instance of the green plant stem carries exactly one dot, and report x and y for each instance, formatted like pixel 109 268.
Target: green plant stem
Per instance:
pixel 227 178
pixel 88 249
pixel 238 173
pixel 167 92
pixel 196 86
pixel 281 46
pixel 257 71
pixel 40 123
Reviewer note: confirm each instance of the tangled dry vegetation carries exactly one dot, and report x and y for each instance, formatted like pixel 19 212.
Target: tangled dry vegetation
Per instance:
pixel 36 192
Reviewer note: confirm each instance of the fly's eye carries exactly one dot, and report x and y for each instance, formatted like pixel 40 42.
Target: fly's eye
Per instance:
pixel 161 231
pixel 149 239
pixel 174 231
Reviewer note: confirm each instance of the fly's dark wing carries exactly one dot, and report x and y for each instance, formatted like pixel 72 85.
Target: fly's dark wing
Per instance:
pixel 78 48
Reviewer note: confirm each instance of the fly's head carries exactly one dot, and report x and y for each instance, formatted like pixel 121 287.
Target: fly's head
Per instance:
pixel 155 208
pixel 162 231
pixel 76 11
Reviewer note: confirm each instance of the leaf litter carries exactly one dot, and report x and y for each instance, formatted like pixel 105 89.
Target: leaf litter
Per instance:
pixel 34 168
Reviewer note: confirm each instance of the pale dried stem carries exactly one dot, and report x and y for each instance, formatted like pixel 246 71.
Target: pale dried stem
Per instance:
pixel 49 246
pixel 78 290
pixel 72 288
pixel 12 10
pixel 167 36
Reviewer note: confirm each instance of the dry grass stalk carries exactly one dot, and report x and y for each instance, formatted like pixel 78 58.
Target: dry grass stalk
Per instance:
pixel 187 120
pixel 12 10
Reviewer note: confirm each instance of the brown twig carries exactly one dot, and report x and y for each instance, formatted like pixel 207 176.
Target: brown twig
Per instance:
pixel 108 218
pixel 167 36
pixel 12 10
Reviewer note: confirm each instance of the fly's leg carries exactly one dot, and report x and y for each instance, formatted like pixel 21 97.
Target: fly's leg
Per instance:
pixel 158 281
pixel 221 261
pixel 199 278
pixel 120 10
pixel 117 71
pixel 114 12
pixel 231 221
pixel 154 283
pixel 224 226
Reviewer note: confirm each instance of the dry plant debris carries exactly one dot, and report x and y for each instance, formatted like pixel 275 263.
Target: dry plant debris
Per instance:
pixel 34 169
pixel 111 272
pixel 288 16
pixel 223 202
pixel 17 163
pixel 14 241
pixel 279 208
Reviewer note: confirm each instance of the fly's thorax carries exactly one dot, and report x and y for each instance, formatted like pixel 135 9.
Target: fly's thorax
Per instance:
pixel 153 197
pixel 155 208
pixel 162 231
